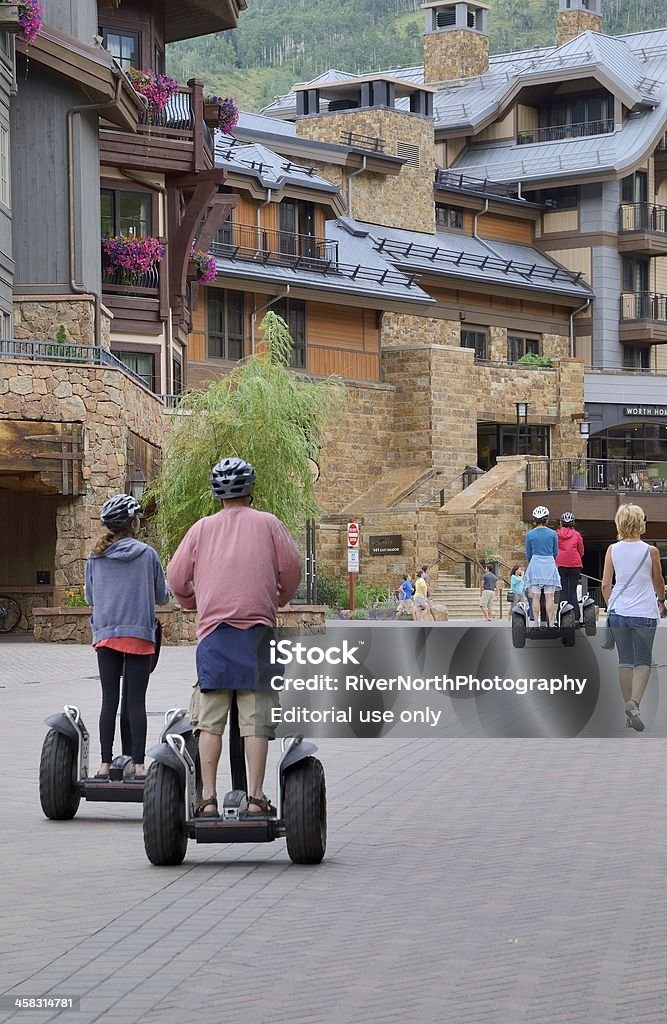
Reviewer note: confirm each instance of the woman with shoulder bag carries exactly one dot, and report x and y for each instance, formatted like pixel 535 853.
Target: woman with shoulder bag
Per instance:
pixel 632 611
pixel 124 582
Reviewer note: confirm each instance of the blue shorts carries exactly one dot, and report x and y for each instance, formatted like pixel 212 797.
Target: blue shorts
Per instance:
pixel 634 636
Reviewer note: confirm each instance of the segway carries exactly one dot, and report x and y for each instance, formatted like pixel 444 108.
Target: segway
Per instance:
pixel 566 622
pixel 63 770
pixel 173 789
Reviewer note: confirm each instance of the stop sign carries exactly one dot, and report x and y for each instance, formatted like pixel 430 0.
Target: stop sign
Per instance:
pixel 352 535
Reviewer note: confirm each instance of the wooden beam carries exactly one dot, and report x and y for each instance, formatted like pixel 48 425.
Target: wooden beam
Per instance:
pixel 222 206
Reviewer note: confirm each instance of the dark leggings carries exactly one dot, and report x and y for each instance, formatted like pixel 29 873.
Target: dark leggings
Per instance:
pixel 135 668
pixel 569 578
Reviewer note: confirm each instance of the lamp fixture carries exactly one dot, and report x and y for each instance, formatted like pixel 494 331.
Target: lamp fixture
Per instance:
pixel 136 484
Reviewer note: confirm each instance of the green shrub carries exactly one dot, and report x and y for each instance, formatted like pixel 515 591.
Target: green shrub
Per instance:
pixel 336 593
pixel 532 359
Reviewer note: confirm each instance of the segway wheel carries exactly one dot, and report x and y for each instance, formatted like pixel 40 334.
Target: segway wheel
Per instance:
pixel 590 625
pixel 59 793
pixel 165 839
pixel 568 627
pixel 518 631
pixel 305 812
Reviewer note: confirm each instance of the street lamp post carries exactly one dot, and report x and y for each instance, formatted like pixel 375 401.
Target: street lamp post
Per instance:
pixel 521 420
pixel 311 551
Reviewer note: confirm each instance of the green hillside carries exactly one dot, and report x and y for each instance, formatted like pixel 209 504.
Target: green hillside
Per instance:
pixel 279 42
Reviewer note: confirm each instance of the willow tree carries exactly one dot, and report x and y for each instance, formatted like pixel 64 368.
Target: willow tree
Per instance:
pixel 261 411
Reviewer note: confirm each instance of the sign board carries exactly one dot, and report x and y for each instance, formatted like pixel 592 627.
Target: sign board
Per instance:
pixel 645 410
pixel 388 544
pixel 353 559
pixel 353 535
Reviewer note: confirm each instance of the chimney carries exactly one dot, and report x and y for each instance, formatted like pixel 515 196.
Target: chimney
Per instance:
pixel 575 17
pixel 456 40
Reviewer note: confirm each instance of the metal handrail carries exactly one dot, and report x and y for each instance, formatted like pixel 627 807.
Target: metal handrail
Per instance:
pixel 560 132
pixel 65 352
pixel 445 178
pixel 177 114
pixel 356 141
pixel 647 475
pixel 642 217
pixel 266 245
pixel 643 306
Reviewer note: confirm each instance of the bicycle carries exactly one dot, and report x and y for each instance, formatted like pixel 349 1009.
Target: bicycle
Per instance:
pixel 10 614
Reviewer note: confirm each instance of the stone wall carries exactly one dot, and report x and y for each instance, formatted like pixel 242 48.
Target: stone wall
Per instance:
pixel 457 53
pixel 570 24
pixel 71 625
pixel 403 201
pixel 38 318
pixel 405 329
pixel 108 405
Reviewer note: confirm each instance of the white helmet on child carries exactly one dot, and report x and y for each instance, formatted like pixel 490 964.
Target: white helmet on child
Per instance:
pixel 540 513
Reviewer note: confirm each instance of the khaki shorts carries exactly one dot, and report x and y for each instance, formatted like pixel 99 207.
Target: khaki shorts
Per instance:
pixel 209 711
pixel 486 598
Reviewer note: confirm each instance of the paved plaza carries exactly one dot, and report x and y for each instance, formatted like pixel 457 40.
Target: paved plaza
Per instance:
pixel 466 881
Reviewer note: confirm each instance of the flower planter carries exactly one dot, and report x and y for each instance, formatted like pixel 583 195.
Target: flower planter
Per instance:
pixel 211 114
pixel 9 17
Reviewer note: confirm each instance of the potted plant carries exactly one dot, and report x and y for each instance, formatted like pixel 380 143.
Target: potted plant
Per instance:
pixel 578 475
pixel 202 267
pixel 157 89
pixel 23 17
pixel 129 256
pixel 221 114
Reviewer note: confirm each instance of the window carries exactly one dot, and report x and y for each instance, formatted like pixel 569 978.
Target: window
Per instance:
pixel 475 340
pixel 225 233
pixel 225 319
pixel 5 191
pixel 293 312
pixel 560 198
pixel 125 213
pixel 582 110
pixel 408 152
pixel 634 188
pixel 176 376
pixel 124 46
pixel 5 324
pixel 636 357
pixel 159 65
pixel 448 216
pixel 494 439
pixel 296 222
pixel 635 275
pixel 142 363
pixel 518 346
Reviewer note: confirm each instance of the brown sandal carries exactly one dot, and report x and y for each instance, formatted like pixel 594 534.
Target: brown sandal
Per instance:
pixel 264 804
pixel 205 802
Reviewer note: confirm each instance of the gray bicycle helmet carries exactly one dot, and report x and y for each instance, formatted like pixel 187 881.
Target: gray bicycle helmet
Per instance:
pixel 567 519
pixel 540 513
pixel 232 478
pixel 118 511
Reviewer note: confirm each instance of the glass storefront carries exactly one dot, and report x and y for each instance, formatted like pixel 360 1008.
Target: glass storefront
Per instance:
pixel 634 443
pixel 494 439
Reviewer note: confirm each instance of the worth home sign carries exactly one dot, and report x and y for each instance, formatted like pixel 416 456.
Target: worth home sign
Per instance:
pixel 645 410
pixel 388 544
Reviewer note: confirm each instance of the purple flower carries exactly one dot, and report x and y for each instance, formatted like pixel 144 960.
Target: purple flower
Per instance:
pixel 158 89
pixel 228 113
pixel 133 253
pixel 206 266
pixel 30 19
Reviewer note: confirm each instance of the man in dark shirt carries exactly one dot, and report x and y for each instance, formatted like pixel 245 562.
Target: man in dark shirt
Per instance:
pixel 487 592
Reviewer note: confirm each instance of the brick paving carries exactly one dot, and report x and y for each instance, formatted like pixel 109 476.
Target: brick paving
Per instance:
pixel 466 881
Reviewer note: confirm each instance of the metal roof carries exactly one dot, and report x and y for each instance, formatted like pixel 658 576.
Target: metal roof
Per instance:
pixel 270 169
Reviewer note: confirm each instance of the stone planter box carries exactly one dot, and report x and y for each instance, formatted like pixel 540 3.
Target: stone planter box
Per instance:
pixel 9 18
pixel 70 625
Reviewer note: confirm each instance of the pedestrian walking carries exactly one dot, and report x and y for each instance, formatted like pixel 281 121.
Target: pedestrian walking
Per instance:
pixel 405 592
pixel 541 576
pixel 124 582
pixel 421 606
pixel 236 568
pixel 632 609
pixel 569 560
pixel 516 590
pixel 488 590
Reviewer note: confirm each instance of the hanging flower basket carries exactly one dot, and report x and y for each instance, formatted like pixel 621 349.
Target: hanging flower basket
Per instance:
pixel 202 267
pixel 23 17
pixel 128 256
pixel 221 114
pixel 158 90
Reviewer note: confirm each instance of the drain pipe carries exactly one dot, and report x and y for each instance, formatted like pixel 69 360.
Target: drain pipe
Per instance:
pixel 75 286
pixel 360 170
pixel 261 309
pixel 572 316
pixel 262 206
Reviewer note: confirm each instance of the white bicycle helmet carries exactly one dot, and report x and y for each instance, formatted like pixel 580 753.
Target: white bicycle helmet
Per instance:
pixel 232 478
pixel 540 513
pixel 118 512
pixel 567 519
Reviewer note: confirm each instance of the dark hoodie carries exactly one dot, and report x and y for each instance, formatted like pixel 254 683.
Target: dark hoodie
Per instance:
pixel 123 584
pixel 570 548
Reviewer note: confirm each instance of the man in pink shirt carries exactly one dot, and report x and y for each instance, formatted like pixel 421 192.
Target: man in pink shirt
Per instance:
pixel 236 568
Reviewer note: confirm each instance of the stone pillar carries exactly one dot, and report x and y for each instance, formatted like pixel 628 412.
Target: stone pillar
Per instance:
pixel 459 53
pixel 571 23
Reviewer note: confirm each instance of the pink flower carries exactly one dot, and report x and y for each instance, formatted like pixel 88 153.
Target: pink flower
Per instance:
pixel 30 20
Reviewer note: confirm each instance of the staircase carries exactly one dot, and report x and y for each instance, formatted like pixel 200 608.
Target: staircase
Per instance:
pixel 462 602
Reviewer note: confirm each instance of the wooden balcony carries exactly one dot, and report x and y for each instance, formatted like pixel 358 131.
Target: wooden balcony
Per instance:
pixel 643 317
pixel 140 306
pixel 642 229
pixel 593 489
pixel 178 141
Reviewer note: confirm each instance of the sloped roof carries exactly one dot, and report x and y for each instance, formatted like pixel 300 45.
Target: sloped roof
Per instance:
pixel 267 167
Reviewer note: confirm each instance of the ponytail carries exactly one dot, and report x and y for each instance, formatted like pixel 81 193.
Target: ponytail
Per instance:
pixel 110 538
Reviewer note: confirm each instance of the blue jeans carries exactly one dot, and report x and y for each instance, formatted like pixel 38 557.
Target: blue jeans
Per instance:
pixel 634 636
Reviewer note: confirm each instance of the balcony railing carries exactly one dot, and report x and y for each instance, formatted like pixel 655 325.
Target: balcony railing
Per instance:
pixel 596 475
pixel 462 183
pixel 642 217
pixel 356 141
pixel 643 306
pixel 136 282
pixel 64 352
pixel 247 242
pixel 557 133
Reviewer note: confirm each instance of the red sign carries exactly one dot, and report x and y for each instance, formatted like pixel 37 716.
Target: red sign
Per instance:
pixel 352 535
